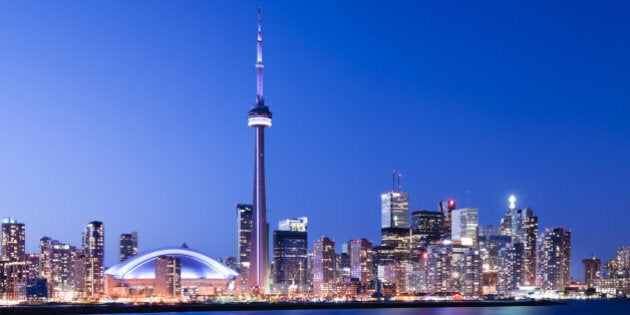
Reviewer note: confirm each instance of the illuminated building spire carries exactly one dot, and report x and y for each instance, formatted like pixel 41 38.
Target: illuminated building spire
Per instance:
pixel 512 201
pixel 260 101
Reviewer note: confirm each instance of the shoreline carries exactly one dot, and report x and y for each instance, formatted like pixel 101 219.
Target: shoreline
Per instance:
pixel 115 308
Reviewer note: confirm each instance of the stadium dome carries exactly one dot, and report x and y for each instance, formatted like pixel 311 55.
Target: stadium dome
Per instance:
pixel 194 265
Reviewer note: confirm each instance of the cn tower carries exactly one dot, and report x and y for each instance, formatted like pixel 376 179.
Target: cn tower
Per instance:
pixel 259 118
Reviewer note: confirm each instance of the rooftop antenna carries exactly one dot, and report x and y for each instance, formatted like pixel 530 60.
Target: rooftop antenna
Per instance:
pixel 468 197
pixel 399 185
pixel 393 180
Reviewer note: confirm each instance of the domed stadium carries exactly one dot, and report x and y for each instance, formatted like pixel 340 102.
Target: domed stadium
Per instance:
pixel 169 272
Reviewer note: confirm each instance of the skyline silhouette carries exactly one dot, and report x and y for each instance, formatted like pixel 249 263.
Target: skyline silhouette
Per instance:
pixel 133 114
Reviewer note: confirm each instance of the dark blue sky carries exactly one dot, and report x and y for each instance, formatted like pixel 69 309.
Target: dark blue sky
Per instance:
pixel 134 113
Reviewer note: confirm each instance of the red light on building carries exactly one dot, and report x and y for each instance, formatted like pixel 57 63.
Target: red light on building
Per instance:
pixel 451 204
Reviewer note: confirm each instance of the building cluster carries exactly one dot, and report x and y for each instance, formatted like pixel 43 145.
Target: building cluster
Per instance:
pixel 443 253
pixel 614 281
pixel 59 271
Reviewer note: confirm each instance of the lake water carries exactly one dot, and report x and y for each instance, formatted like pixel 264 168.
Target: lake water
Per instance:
pixel 610 307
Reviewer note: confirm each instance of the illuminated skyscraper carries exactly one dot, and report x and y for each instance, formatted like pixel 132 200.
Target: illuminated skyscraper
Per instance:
pixel 13 241
pixel 323 267
pixel 128 245
pixel 447 207
pixel 426 228
pixel 464 229
pixel 290 252
pixel 259 118
pixel 56 261
pixel 511 271
pixel 471 271
pixel 522 226
pixel 94 251
pixel 361 266
pixel 592 267
pixel 395 210
pixel 438 268
pixel 555 259
pixel 244 225
pixel 530 241
pixel 168 277
pixel 395 241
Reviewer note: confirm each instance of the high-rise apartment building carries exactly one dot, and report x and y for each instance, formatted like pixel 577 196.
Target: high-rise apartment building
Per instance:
pixel 13 266
pixel 290 252
pixel 168 276
pixel 555 259
pixel 128 245
pixel 13 241
pixel 324 267
pixel 32 261
pixel 592 268
pixel 438 268
pixel 471 272
pixel 57 267
pixel 94 252
pixel 530 240
pixel 510 267
pixel 361 265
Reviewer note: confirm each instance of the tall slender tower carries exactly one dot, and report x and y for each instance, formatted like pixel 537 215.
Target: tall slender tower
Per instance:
pixel 259 118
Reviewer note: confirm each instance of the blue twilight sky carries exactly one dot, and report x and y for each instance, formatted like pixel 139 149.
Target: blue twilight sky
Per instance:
pixel 134 113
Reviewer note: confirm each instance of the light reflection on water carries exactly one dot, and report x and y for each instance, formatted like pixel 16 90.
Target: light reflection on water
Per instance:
pixel 574 308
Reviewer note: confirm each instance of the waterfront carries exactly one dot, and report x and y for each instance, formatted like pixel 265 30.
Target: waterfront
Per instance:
pixel 607 307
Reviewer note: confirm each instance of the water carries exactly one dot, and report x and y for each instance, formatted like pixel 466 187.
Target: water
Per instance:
pixel 610 307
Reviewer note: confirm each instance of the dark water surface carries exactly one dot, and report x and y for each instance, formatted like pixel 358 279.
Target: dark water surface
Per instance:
pixel 609 307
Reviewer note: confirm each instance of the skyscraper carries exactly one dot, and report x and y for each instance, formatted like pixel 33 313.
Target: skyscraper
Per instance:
pixel 168 276
pixel 128 245
pixel 426 228
pixel 259 118
pixel 361 266
pixel 394 227
pixel 471 271
pixel 592 267
pixel 13 241
pixel 323 267
pixel 394 210
pixel 510 263
pixel 290 252
pixel 94 251
pixel 555 259
pixel 57 267
pixel 447 207
pixel 464 227
pixel 244 225
pixel 530 240
pixel 522 226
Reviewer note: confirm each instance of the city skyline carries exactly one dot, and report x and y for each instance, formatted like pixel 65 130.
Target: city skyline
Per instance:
pixel 131 121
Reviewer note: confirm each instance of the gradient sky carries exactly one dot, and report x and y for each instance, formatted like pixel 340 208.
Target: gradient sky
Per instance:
pixel 135 113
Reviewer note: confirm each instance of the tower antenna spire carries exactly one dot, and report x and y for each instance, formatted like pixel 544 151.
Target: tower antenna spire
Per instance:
pixel 259 65
pixel 393 180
